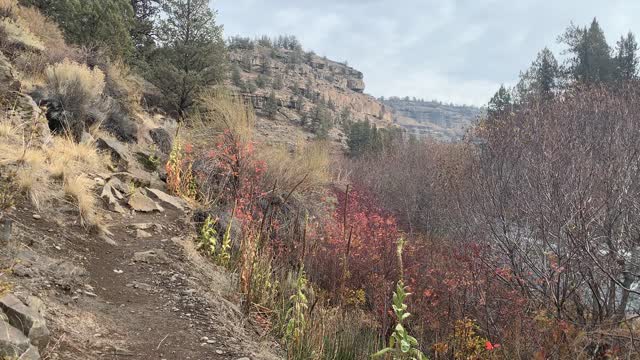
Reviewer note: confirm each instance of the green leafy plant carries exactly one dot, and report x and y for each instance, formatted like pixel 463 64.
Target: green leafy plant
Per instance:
pixel 208 240
pixel 296 319
pixel 401 344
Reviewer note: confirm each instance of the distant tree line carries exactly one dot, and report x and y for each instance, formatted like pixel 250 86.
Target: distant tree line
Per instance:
pixel 591 62
pixel 285 42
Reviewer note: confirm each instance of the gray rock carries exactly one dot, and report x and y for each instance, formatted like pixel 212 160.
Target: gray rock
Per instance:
pixel 31 354
pixel 165 198
pixel 156 256
pixel 5 231
pixel 110 196
pixel 141 234
pixel 146 226
pixel 138 201
pixel 119 152
pixel 13 343
pixel 27 319
pixel 162 139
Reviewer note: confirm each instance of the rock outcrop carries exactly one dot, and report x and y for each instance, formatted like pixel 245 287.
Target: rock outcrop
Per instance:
pixel 23 329
pixel 299 81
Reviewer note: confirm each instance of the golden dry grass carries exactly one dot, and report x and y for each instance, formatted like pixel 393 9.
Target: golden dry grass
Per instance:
pixel 17 33
pixel 78 188
pixel 37 170
pixel 7 130
pixel 307 168
pixel 7 7
pixel 62 76
pixel 222 111
pixel 42 27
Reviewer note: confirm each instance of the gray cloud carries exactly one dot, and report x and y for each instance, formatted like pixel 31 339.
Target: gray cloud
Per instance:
pixel 451 50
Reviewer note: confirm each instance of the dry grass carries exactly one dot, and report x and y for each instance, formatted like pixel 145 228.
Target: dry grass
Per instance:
pixel 78 188
pixel 305 169
pixel 17 33
pixel 8 7
pixel 38 168
pixel 67 74
pixel 7 131
pixel 42 27
pixel 223 111
pixel 123 85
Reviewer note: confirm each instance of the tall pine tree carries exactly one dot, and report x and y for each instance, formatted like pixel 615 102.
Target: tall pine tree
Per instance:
pixel 541 80
pixel 591 60
pixel 626 59
pixel 192 53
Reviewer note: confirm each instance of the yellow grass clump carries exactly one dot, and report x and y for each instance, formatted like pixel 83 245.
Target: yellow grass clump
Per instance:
pixel 68 75
pixel 17 33
pixel 223 111
pixel 78 188
pixel 307 168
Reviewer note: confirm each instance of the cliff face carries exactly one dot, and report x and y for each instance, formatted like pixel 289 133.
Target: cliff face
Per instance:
pixel 432 118
pixel 300 81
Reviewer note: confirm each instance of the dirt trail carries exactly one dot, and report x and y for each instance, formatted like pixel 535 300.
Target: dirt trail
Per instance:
pixel 141 298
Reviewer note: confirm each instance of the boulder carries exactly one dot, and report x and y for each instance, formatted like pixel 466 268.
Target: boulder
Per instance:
pixel 139 201
pixel 173 201
pixel 27 319
pixel 162 139
pixel 118 151
pixel 118 185
pixel 110 196
pixel 156 256
pixel 13 343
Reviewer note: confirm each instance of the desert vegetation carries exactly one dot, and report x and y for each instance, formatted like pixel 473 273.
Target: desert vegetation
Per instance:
pixel 520 242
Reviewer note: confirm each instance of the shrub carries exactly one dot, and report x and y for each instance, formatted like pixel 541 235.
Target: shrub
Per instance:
pixel 72 88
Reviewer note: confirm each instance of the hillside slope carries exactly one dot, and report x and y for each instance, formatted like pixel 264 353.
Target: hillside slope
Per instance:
pixel 300 82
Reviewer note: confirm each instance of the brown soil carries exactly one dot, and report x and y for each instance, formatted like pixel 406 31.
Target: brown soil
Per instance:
pixel 103 305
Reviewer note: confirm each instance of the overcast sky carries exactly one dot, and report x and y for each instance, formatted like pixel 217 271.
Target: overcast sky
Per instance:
pixel 451 50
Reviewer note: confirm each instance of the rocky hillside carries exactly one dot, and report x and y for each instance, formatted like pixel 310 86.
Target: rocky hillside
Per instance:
pixel 432 118
pixel 299 81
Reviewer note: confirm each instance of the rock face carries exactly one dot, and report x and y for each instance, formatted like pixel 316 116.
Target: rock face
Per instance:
pixel 306 78
pixel 162 139
pixel 139 201
pixel 432 118
pixel 23 330
pixel 167 199
pixel 119 153
pixel 27 319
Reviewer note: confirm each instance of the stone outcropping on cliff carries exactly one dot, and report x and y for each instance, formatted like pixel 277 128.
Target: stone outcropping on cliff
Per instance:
pixel 300 81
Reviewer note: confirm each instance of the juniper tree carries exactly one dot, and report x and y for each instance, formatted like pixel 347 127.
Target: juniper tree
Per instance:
pixel 192 53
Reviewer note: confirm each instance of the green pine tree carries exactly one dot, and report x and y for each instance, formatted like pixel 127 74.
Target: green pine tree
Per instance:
pixel 591 60
pixel 541 79
pixel 500 103
pixel 626 59
pixel 271 105
pixel 192 53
